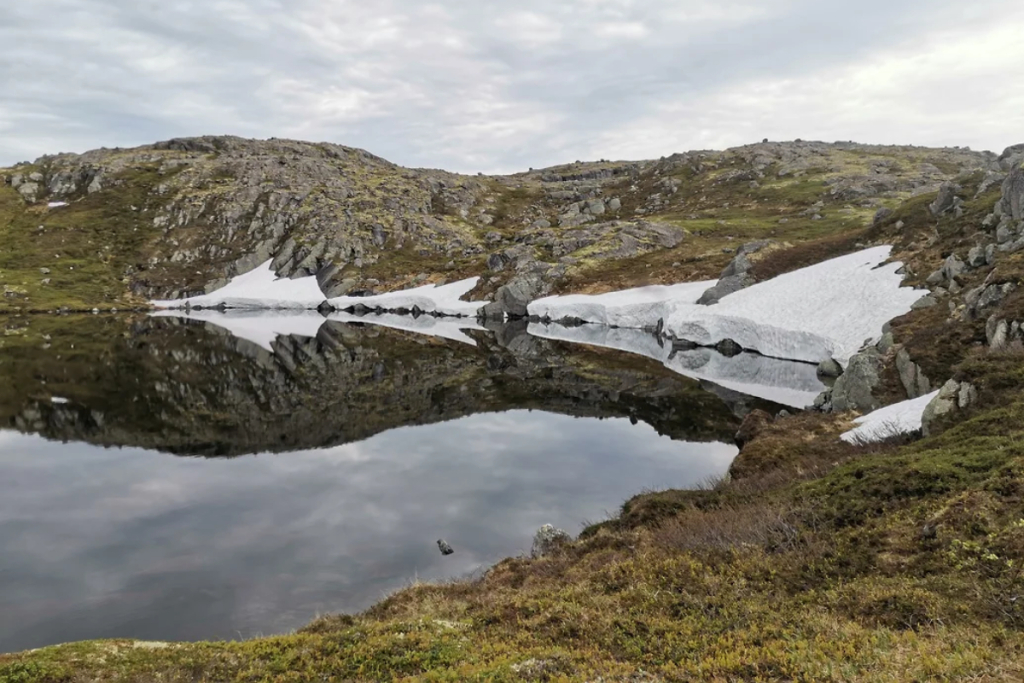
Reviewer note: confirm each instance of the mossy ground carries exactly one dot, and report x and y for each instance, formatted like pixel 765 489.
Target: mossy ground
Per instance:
pixel 76 256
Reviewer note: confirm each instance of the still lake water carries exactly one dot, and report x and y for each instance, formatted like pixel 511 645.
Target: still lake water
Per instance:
pixel 165 480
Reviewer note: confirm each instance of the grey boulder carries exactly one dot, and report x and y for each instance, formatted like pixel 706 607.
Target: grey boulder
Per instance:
pixel 548 539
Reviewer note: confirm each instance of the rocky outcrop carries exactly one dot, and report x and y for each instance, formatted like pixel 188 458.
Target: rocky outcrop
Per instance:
pixel 736 275
pixel 854 390
pixel 952 396
pixel 914 381
pixel 549 540
pixel 1012 202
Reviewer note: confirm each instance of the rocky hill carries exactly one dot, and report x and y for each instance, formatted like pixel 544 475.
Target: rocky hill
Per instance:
pixel 113 228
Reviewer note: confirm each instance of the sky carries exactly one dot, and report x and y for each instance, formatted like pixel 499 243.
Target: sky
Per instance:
pixel 476 85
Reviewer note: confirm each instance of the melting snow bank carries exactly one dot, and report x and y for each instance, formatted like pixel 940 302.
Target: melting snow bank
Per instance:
pixel 899 418
pixel 260 327
pixel 828 310
pixel 635 308
pixel 448 328
pixel 436 299
pixel 260 288
pixel 785 382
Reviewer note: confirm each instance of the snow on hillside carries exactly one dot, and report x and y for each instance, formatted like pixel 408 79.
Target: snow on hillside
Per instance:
pixel 439 299
pixel 899 418
pixel 260 288
pixel 826 310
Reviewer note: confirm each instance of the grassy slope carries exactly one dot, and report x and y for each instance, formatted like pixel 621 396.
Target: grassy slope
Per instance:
pixel 86 246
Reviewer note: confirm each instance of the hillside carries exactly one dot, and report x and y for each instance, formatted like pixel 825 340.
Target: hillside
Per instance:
pixel 816 560
pixel 182 216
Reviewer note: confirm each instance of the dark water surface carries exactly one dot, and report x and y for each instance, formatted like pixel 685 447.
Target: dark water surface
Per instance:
pixel 168 481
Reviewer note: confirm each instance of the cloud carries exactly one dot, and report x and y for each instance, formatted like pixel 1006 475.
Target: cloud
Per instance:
pixel 480 86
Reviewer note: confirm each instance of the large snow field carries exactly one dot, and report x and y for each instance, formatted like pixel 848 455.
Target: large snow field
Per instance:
pixel 826 310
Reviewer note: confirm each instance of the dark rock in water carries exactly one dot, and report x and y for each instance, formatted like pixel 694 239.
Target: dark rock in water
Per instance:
pixel 548 539
pixel 753 424
pixel 443 546
pixel 728 348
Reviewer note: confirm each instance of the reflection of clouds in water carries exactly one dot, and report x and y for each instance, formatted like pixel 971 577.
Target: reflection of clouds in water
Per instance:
pixel 103 543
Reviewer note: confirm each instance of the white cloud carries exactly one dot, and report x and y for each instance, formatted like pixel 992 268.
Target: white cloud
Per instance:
pixel 478 86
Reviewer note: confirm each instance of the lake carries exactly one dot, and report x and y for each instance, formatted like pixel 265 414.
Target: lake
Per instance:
pixel 228 477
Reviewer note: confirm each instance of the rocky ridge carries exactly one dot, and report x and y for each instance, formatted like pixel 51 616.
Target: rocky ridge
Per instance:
pixel 202 210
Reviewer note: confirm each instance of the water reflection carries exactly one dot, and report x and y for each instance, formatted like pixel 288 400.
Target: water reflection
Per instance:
pixel 129 543
pixel 372 443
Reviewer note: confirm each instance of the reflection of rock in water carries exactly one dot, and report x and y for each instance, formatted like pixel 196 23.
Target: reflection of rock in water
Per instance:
pixel 189 388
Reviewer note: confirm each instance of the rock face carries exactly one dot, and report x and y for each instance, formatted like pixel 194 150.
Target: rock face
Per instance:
pixel 548 540
pixel 947 199
pixel 1012 202
pixel 952 396
pixel 736 275
pixel 853 390
pixel 914 381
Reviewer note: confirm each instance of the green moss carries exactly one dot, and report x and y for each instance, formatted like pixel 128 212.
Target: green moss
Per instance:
pixel 86 247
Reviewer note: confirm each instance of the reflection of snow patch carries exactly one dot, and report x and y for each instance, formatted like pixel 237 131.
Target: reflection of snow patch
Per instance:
pixel 780 381
pixel 826 310
pixel 59 400
pixel 260 288
pixel 636 308
pixel 259 327
pixel 448 328
pixel 899 418
pixel 440 299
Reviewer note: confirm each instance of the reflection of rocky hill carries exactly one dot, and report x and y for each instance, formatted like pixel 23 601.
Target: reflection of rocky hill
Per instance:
pixel 189 389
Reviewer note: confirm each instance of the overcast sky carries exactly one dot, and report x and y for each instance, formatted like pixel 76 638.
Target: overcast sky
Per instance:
pixel 475 85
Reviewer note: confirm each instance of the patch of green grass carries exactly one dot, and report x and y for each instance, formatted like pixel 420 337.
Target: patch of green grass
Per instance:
pixel 86 247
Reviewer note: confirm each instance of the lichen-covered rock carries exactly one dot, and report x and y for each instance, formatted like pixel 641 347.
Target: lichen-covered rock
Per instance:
pixel 946 200
pixel 944 403
pixel 1012 201
pixel 854 389
pixel 914 381
pixel 548 540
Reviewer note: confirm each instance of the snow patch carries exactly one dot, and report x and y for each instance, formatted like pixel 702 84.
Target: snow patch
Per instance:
pixel 260 327
pixel 899 418
pixel 260 288
pixel 448 328
pixel 636 308
pixel 55 205
pixel 437 299
pixel 828 310
pixel 784 382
